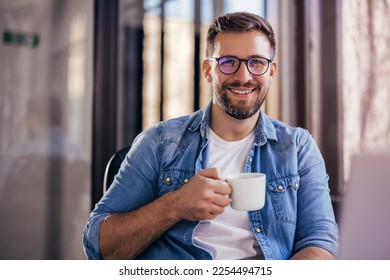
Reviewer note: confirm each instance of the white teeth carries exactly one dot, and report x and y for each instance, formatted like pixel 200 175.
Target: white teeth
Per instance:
pixel 241 91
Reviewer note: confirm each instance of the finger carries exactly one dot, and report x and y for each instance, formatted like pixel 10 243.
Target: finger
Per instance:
pixel 216 210
pixel 221 200
pixel 212 173
pixel 221 187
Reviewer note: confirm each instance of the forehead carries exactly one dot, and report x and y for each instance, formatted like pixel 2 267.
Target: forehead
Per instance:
pixel 242 44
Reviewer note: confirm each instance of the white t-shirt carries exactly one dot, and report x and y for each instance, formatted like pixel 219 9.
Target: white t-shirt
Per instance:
pixel 229 236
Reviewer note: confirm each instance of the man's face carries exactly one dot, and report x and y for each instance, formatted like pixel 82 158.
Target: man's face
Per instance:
pixel 241 94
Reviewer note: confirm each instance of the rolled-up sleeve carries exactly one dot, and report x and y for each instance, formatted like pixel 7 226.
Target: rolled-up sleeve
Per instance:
pixel 91 236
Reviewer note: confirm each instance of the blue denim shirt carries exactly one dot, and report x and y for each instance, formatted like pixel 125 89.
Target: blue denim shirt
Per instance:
pixel 297 212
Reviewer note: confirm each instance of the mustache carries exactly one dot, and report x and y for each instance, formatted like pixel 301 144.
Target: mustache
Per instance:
pixel 239 84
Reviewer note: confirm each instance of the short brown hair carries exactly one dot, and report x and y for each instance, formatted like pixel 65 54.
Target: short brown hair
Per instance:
pixel 239 22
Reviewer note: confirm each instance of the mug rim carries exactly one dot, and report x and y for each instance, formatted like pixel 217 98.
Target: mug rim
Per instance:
pixel 244 175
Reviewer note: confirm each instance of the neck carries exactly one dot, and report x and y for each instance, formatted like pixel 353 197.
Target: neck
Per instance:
pixel 229 128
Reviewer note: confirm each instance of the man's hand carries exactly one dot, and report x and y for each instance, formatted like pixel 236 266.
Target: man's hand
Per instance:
pixel 126 235
pixel 204 197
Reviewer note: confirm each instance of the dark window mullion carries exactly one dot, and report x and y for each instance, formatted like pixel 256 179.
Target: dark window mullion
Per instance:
pixel 105 91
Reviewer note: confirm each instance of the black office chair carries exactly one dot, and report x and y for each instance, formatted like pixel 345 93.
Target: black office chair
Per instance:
pixel 113 166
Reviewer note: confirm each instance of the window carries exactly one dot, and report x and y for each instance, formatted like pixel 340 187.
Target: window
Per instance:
pixel 172 50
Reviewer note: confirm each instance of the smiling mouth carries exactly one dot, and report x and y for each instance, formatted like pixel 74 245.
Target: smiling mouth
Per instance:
pixel 241 92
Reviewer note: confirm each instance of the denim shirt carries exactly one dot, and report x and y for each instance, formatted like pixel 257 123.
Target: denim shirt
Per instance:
pixel 297 211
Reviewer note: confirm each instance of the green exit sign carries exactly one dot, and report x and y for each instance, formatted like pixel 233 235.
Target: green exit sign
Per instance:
pixel 20 39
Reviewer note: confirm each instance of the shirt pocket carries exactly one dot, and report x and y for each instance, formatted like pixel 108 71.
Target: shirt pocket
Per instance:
pixel 283 193
pixel 172 179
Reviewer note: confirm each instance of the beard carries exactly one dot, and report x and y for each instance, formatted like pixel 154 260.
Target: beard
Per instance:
pixel 241 110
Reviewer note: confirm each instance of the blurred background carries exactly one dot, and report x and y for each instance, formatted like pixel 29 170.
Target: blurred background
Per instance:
pixel 80 79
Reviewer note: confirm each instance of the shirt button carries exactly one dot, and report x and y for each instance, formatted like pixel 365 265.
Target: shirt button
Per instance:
pixel 258 230
pixel 168 179
pixel 185 180
pixel 280 188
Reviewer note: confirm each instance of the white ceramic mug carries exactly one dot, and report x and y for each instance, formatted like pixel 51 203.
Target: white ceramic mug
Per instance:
pixel 248 191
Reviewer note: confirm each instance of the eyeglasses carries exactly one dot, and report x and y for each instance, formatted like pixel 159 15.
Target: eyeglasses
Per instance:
pixel 229 65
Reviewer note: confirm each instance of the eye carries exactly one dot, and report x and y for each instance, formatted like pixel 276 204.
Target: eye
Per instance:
pixel 258 62
pixel 228 61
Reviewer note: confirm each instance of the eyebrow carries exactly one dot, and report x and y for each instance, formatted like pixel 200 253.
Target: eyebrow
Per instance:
pixel 249 57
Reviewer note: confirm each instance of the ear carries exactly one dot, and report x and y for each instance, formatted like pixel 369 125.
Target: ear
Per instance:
pixel 272 70
pixel 206 69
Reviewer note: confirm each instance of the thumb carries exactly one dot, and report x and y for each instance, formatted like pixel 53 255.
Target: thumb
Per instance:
pixel 212 173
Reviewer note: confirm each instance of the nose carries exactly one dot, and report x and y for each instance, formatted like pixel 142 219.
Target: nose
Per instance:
pixel 243 73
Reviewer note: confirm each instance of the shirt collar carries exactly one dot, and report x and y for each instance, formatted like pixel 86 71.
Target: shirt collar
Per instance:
pixel 265 130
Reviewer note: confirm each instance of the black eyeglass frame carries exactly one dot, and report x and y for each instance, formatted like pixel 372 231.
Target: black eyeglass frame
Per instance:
pixel 217 59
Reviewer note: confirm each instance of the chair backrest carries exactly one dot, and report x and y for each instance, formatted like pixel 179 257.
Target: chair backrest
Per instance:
pixel 113 166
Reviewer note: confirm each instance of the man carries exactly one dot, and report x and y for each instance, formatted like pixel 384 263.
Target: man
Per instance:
pixel 170 201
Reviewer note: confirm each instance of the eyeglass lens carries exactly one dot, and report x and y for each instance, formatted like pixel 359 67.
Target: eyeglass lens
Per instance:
pixel 230 65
